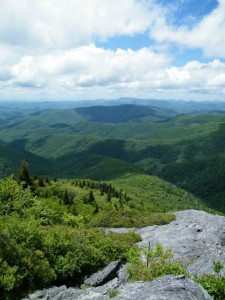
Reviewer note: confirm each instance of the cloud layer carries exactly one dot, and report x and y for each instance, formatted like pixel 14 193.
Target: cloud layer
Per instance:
pixel 207 34
pixel 48 51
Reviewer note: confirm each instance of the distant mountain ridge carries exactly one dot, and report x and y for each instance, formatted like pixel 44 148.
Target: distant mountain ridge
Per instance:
pixel 122 113
pixel 104 142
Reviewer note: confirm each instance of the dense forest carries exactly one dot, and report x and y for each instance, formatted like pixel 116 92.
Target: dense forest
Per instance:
pixel 103 142
pixel 68 171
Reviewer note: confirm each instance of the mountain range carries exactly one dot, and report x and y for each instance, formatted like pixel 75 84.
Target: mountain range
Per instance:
pixel 180 142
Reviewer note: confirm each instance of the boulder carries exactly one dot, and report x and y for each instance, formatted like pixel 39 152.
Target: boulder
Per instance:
pixel 101 277
pixel 170 287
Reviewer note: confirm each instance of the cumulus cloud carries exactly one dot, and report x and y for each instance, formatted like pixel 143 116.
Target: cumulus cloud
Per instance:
pixel 47 50
pixel 91 71
pixel 207 34
pixel 71 23
pixel 87 66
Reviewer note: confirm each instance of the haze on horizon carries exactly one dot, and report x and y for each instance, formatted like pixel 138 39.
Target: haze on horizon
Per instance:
pixel 93 49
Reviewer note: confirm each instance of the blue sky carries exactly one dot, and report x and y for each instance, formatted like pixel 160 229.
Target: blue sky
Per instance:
pixel 91 49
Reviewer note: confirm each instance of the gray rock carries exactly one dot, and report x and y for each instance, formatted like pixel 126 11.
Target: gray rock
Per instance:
pixel 123 274
pixel 165 288
pixel 47 294
pixel 56 293
pixel 196 238
pixel 105 275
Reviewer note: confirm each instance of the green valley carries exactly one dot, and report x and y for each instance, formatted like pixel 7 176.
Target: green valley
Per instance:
pixel 106 142
pixel 85 168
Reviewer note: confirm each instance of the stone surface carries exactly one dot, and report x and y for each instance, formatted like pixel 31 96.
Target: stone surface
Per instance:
pixel 104 275
pixel 165 288
pixel 195 237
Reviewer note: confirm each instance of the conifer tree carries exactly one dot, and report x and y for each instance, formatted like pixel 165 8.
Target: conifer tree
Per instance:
pixel 66 198
pixel 109 196
pixel 91 197
pixel 24 174
pixel 41 182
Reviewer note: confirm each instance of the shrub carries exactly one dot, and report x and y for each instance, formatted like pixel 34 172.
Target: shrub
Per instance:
pixel 214 284
pixel 159 264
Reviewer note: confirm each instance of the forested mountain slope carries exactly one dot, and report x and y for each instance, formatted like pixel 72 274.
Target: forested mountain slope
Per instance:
pixel 106 142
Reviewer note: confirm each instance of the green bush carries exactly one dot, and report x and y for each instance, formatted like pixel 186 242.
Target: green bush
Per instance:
pixel 157 264
pixel 129 219
pixel 13 199
pixel 33 256
pixel 214 284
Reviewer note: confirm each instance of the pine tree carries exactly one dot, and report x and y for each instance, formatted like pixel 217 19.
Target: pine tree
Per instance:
pixel 91 197
pixel 109 196
pixel 24 174
pixel 66 198
pixel 96 208
pixel 41 182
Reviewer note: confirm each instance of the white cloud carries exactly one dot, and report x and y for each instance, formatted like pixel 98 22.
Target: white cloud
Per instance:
pixel 207 34
pixel 87 66
pixel 71 23
pixel 93 72
pixel 47 51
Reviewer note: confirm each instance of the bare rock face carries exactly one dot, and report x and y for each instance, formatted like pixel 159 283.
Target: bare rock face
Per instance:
pixel 165 288
pixel 105 275
pixel 196 238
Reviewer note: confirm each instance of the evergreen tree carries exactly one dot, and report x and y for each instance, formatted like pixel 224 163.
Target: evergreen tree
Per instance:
pixel 109 196
pixel 66 198
pixel 41 182
pixel 91 197
pixel 96 208
pixel 24 174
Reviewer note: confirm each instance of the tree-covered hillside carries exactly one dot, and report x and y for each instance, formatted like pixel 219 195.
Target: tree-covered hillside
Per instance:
pixel 48 228
pixel 186 150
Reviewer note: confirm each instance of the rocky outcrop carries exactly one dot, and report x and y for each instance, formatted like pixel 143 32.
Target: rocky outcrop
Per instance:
pixel 196 238
pixel 165 288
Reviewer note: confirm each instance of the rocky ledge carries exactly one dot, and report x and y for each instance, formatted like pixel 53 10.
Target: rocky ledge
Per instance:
pixel 196 238
pixel 165 288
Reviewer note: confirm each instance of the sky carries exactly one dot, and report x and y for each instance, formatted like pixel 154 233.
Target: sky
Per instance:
pixel 108 49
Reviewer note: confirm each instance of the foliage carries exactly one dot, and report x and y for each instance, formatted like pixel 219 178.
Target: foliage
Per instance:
pixel 153 194
pixel 186 150
pixel 129 218
pixel 33 256
pixel 13 199
pixel 41 241
pixel 113 293
pixel 157 264
pixel 24 174
pixel 217 266
pixel 215 285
